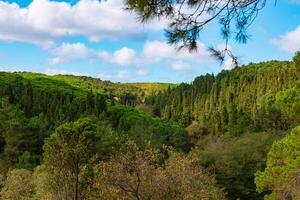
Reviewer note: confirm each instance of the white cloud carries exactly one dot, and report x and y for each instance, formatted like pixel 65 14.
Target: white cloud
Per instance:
pixel 16 25
pixel 229 64
pixel 289 42
pixel 122 75
pixel 51 71
pixel 43 21
pixel 181 66
pixel 142 72
pixel 124 56
pixel 105 76
pixel 159 24
pixel 55 60
pixel 68 52
pixel 155 50
pixel 104 56
pixel 11 69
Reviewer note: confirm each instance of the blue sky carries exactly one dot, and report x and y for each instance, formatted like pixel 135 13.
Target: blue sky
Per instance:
pixel 99 39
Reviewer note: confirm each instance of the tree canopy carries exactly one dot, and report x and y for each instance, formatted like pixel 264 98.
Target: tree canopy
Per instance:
pixel 67 138
pixel 280 179
pixel 137 174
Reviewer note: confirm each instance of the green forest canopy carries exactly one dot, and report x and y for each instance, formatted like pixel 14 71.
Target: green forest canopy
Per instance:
pixel 82 138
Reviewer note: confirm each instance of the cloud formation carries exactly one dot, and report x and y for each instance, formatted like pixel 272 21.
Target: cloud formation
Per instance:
pixel 123 57
pixel 289 42
pixel 142 72
pixel 122 75
pixel 181 66
pixel 155 51
pixel 228 64
pixel 51 71
pixel 43 21
pixel 69 52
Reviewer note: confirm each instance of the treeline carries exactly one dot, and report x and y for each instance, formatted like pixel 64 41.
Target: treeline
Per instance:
pixel 253 98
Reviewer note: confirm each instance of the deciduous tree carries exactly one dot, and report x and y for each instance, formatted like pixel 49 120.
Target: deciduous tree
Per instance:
pixel 140 175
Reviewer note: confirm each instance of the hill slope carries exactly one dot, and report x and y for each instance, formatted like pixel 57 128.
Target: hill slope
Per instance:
pixel 81 85
pixel 33 105
pixel 256 97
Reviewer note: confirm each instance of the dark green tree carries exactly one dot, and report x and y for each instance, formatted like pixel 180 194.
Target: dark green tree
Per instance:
pixel 90 101
pixel 27 99
pixel 296 58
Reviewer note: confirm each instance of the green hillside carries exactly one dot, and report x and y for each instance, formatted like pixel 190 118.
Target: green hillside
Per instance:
pixel 67 129
pixel 150 88
pixel 82 84
pixel 233 118
pixel 250 98
pixel 34 105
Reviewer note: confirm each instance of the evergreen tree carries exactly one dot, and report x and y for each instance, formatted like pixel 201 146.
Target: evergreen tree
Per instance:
pixel 68 158
pixel 296 59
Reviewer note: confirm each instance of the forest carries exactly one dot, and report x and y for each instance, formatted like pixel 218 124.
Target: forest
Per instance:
pixel 234 135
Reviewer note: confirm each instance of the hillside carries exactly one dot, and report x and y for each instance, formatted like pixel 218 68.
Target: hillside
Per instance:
pixel 50 125
pixel 234 117
pixel 33 105
pixel 256 97
pixel 149 100
pixel 150 88
pixel 124 92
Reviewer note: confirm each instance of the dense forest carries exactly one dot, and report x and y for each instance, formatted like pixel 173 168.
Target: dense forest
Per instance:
pixel 256 97
pixel 231 136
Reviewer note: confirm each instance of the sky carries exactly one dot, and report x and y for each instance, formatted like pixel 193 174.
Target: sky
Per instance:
pixel 102 40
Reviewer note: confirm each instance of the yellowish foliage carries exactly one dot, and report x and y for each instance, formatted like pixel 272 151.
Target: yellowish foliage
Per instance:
pixel 139 175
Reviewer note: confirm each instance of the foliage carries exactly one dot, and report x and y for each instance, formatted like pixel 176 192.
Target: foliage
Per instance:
pixel 232 119
pixel 22 138
pixel 253 98
pixel 18 185
pixel 136 174
pixel 296 58
pixel 33 105
pixel 288 103
pixel 150 88
pixel 68 159
pixel 145 130
pixel 234 161
pixel 279 179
